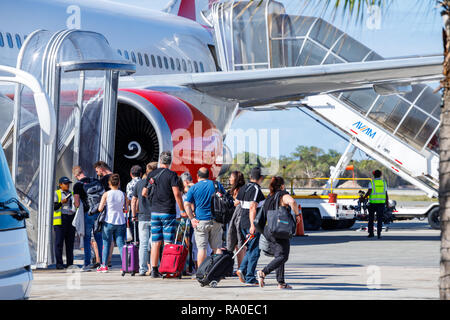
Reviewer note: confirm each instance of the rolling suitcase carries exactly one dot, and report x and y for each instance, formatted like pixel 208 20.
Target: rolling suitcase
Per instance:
pixel 216 267
pixel 130 257
pixel 174 257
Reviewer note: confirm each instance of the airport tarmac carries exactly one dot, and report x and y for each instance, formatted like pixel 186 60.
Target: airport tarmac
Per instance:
pixel 328 265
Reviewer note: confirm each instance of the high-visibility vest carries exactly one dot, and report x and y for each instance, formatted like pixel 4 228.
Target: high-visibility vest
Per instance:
pixel 378 194
pixel 57 219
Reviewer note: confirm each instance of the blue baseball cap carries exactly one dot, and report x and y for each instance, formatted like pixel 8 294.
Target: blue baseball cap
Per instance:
pixel 64 180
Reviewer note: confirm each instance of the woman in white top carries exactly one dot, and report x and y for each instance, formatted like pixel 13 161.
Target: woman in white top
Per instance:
pixel 114 227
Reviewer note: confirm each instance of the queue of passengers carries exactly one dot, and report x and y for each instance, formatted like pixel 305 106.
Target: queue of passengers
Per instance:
pixel 172 201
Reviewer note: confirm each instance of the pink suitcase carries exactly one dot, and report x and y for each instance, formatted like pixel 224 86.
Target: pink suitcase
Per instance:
pixel 130 258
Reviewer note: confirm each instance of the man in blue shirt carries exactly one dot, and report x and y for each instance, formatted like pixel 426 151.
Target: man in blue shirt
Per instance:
pixel 206 229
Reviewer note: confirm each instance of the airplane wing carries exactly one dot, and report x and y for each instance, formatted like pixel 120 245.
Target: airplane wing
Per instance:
pixel 260 87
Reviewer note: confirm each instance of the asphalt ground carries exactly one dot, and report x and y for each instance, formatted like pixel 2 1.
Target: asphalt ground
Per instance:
pixel 324 265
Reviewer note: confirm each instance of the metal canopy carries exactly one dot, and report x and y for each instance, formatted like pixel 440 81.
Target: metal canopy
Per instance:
pixel 79 72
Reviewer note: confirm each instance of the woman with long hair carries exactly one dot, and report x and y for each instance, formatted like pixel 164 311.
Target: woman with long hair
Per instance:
pixel 235 238
pixel 279 247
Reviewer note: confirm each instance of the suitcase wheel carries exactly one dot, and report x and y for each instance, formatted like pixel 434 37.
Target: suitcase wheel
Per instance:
pixel 133 273
pixel 180 275
pixel 213 284
pixel 123 273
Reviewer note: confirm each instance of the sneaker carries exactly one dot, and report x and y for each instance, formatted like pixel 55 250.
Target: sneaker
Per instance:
pixel 102 269
pixel 155 274
pixel 86 269
pixel 240 276
pixel 95 266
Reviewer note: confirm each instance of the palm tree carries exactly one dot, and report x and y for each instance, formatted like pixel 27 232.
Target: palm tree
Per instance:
pixel 356 9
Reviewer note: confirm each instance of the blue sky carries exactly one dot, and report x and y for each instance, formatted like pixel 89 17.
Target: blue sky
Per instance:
pixel 409 27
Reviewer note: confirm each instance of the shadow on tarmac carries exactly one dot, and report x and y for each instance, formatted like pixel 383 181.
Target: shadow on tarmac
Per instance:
pixel 317 239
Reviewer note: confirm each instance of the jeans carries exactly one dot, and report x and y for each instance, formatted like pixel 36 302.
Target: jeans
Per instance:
pixel 248 265
pixel 145 232
pixel 110 232
pixel 88 227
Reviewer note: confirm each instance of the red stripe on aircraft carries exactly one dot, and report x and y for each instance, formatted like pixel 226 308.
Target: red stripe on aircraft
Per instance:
pixel 187 9
pixel 399 162
pixel 353 131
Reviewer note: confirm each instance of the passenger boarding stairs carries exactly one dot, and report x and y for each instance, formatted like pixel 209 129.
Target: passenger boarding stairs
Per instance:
pixel 398 130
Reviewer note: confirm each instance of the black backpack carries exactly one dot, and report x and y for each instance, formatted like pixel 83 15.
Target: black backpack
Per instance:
pixel 222 205
pixel 94 191
pixel 151 185
pixel 280 222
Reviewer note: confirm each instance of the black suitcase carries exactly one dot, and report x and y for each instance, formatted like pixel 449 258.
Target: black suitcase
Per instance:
pixel 215 268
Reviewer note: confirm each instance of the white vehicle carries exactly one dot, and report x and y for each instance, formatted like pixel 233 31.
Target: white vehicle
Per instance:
pixel 319 212
pixel 430 212
pixel 15 259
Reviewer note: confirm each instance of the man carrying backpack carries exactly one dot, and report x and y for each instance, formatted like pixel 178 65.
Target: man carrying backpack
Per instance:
pixel 86 191
pixel 164 194
pixel 251 198
pixel 206 229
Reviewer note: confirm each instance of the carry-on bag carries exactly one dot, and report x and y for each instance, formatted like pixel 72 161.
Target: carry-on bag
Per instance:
pixel 174 257
pixel 217 266
pixel 130 257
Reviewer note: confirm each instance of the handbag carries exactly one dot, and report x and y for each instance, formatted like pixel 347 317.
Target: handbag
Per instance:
pixel 260 220
pixel 99 221
pixel 280 222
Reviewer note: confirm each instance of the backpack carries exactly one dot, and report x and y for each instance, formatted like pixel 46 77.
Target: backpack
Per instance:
pixel 280 222
pixel 222 205
pixel 94 191
pixel 151 185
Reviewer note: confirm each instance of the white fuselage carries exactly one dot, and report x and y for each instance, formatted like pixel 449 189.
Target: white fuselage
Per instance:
pixel 159 43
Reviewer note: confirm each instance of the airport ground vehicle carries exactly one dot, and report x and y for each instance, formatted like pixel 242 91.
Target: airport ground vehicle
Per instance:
pixel 15 259
pixel 341 213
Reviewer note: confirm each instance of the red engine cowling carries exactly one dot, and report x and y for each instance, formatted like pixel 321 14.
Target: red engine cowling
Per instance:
pixel 149 122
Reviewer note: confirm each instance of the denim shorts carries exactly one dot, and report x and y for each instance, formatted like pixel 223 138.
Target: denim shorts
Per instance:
pixel 164 227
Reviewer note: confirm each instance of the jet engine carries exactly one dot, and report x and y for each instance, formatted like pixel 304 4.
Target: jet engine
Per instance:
pixel 149 122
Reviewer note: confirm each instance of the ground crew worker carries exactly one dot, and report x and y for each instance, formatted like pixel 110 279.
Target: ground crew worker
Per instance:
pixel 62 223
pixel 378 202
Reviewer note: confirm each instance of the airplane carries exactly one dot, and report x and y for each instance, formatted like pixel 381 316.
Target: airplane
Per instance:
pixel 179 98
pixel 176 58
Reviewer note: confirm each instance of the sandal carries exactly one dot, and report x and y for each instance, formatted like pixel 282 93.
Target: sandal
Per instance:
pixel 260 276
pixel 284 286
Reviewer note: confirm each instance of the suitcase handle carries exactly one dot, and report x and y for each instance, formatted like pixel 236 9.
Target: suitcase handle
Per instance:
pixel 185 229
pixel 249 237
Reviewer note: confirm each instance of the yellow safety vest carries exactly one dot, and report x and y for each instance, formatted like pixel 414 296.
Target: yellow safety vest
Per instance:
pixel 378 194
pixel 57 219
